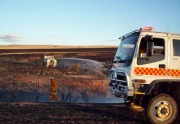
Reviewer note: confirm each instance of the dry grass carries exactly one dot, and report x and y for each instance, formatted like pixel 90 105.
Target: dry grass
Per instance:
pixel 49 46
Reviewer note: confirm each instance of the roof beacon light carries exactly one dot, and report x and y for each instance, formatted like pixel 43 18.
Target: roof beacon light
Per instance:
pixel 147 28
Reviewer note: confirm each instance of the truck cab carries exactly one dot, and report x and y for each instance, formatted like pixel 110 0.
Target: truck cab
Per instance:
pixel 146 73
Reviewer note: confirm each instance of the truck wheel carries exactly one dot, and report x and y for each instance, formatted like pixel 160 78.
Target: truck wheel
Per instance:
pixel 162 109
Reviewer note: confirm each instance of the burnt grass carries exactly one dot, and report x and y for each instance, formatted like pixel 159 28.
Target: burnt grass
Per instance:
pixel 59 50
pixel 68 113
pixel 29 62
pixel 105 54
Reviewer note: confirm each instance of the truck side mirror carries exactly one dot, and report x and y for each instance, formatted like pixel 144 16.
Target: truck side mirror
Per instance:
pixel 150 50
pixel 148 37
pixel 150 45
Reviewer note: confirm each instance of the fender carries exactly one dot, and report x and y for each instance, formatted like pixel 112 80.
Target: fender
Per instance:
pixel 153 83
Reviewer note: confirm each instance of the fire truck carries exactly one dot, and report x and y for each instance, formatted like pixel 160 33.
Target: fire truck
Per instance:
pixel 146 73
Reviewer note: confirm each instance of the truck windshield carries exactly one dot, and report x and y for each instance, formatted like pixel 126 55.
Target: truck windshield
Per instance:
pixel 125 50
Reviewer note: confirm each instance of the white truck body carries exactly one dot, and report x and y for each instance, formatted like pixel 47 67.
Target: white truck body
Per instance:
pixel 147 63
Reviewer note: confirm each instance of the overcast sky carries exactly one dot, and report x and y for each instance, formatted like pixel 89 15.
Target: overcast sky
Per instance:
pixel 83 22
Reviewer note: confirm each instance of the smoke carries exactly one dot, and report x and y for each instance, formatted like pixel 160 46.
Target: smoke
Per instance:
pixel 9 37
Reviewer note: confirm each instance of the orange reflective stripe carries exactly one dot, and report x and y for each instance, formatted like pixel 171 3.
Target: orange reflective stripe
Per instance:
pixel 53 90
pixel 54 93
pixel 149 71
pixel 175 73
pixel 156 71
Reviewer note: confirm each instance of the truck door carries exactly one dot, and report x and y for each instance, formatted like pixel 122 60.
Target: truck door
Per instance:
pixel 153 67
pixel 175 58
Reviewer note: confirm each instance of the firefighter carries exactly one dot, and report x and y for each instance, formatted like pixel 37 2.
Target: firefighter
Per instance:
pixel 54 90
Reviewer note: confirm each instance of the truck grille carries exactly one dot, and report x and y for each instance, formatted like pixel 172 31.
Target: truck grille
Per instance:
pixel 119 78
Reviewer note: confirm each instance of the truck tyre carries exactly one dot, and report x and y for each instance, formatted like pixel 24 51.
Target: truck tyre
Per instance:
pixel 162 109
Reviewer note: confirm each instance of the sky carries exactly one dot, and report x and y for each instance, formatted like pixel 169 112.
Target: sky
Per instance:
pixel 82 22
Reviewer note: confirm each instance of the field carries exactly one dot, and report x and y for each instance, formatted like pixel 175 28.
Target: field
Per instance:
pixel 84 91
pixel 23 77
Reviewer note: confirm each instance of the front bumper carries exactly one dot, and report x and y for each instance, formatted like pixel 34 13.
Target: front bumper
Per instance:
pixel 121 90
pixel 119 85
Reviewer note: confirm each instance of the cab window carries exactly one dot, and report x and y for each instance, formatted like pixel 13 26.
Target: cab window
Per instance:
pixel 158 51
pixel 176 47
